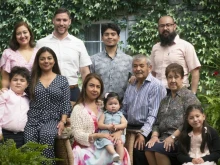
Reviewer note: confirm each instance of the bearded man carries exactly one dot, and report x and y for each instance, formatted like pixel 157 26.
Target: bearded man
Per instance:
pixel 172 49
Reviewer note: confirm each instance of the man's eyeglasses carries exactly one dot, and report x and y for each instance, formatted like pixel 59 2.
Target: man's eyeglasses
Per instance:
pixel 168 25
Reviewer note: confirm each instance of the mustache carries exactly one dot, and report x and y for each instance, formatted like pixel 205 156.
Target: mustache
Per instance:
pixel 138 72
pixel 165 31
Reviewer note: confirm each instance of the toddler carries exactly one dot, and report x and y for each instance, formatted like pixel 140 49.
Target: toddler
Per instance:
pixel 112 120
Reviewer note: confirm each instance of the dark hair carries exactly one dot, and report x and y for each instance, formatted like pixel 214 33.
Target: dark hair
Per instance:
pixel 36 70
pixel 184 139
pixel 111 95
pixel 167 16
pixel 13 43
pixel 112 26
pixel 83 94
pixel 22 71
pixel 62 10
pixel 176 68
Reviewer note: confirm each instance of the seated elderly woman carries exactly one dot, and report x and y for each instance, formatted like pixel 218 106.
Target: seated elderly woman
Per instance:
pixel 84 124
pixel 161 149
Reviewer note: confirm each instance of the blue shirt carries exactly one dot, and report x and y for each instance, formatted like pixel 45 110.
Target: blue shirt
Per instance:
pixel 113 71
pixel 140 106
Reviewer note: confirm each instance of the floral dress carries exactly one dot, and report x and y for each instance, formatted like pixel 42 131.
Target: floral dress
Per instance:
pixel 12 58
pixel 89 155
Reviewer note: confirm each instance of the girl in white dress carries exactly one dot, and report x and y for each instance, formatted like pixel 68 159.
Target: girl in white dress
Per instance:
pixel 198 142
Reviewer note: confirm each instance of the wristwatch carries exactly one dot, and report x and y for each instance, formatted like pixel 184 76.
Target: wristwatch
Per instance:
pixel 173 137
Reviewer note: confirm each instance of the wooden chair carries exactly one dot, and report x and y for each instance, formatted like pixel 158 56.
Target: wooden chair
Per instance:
pixel 63 149
pixel 129 143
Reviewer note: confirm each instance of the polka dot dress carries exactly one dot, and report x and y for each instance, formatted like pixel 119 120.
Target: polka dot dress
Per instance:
pixel 45 112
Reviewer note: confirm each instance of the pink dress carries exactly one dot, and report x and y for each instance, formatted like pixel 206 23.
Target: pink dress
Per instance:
pixel 90 155
pixel 12 58
pixel 195 152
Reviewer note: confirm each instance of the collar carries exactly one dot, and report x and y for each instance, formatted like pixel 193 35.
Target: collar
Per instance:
pixel 190 134
pixel 112 113
pixel 116 52
pixel 54 37
pixel 176 39
pixel 148 79
pixel 24 94
pixel 180 92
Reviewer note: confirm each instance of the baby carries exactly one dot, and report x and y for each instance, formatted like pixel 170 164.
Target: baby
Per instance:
pixel 112 120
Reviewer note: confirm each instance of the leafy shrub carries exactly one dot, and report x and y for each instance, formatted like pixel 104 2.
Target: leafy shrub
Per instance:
pixel 211 103
pixel 28 154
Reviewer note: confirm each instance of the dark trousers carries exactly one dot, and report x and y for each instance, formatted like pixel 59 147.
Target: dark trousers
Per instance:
pixel 74 94
pixel 139 157
pixel 17 137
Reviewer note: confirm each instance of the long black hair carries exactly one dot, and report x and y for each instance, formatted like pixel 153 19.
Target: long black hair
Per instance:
pixel 184 139
pixel 36 70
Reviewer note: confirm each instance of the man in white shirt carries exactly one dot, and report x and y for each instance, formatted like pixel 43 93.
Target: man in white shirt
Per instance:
pixel 71 52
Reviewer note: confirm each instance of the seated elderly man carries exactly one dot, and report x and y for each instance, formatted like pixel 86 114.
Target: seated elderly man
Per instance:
pixel 141 103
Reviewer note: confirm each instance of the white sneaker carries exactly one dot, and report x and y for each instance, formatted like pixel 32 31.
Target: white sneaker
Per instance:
pixel 115 157
pixel 115 163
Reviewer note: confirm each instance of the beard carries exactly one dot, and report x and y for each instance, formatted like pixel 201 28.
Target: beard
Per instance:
pixel 167 40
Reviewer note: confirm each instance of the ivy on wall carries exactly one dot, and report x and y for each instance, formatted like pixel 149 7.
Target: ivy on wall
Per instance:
pixel 198 23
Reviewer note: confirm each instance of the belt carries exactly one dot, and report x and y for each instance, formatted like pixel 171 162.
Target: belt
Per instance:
pixel 73 86
pixel 6 131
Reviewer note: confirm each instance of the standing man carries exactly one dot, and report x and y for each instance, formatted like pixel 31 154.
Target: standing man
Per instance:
pixel 141 103
pixel 71 52
pixel 112 65
pixel 172 49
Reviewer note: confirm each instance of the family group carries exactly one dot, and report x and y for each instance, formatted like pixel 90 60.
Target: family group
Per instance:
pixel 40 94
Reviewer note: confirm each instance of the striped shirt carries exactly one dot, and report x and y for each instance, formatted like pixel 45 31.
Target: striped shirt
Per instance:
pixel 140 106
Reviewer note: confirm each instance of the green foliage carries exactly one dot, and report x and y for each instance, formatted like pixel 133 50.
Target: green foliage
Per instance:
pixel 39 15
pixel 212 106
pixel 198 22
pixel 28 154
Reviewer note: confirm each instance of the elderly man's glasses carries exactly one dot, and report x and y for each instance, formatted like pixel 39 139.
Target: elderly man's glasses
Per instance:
pixel 168 25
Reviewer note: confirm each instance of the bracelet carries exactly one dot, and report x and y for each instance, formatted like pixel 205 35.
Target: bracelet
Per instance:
pixel 63 122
